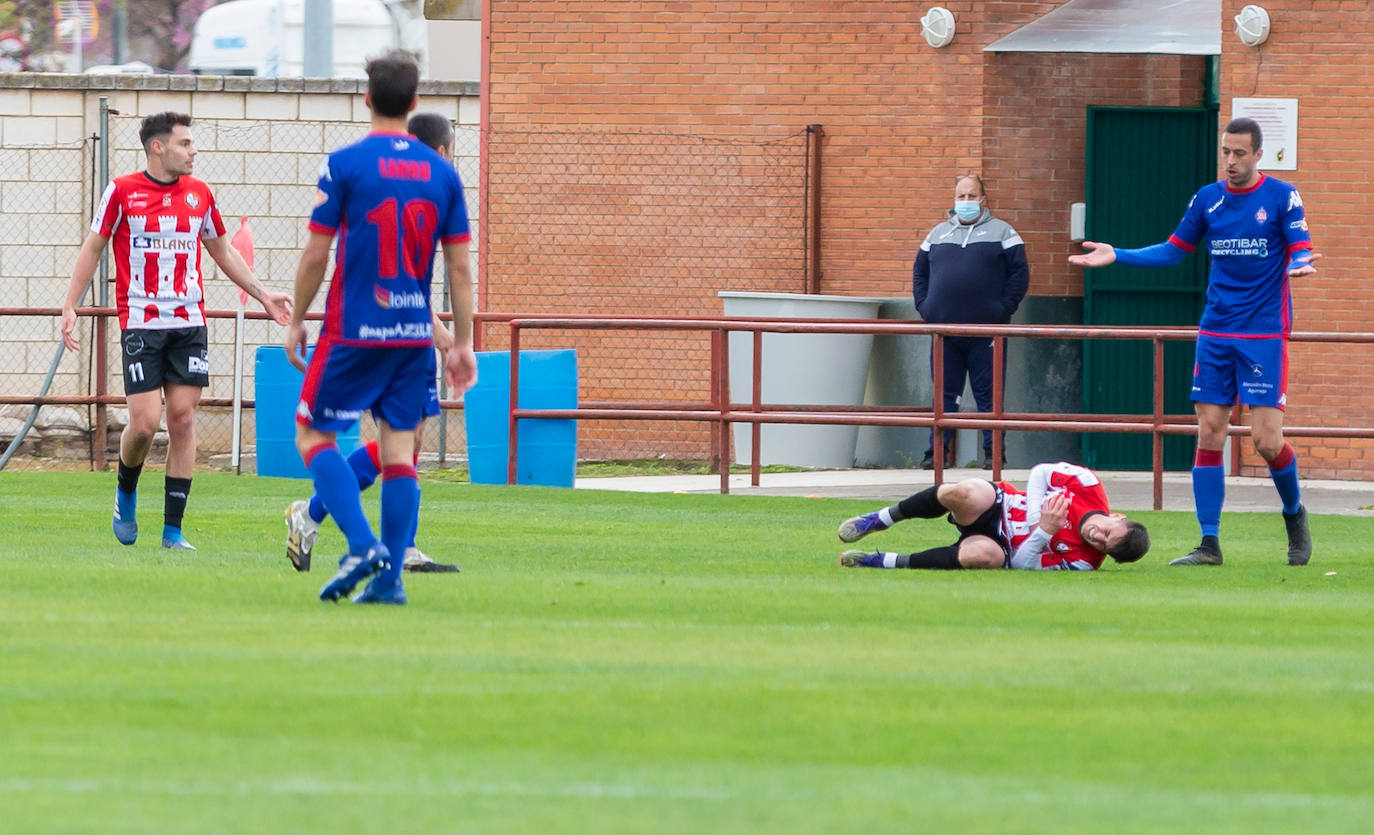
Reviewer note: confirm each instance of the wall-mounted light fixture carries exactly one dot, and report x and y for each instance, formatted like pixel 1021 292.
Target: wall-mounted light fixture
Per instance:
pixel 938 26
pixel 1252 25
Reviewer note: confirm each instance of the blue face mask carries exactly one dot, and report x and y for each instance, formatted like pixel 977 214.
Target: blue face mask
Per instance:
pixel 968 210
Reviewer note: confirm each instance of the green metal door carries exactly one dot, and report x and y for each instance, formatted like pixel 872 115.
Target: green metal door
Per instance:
pixel 1144 164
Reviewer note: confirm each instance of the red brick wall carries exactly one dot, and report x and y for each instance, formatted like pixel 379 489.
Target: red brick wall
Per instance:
pixel 900 118
pixel 1318 53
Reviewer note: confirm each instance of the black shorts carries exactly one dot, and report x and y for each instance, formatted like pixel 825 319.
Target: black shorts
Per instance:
pixel 152 358
pixel 988 524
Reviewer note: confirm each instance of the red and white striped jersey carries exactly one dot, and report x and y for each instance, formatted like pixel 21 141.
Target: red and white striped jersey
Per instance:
pixel 156 229
pixel 1066 550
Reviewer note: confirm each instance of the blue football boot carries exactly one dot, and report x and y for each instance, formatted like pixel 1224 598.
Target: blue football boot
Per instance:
pixel 852 530
pixel 125 522
pixel 861 559
pixel 353 569
pixel 374 592
pixel 173 539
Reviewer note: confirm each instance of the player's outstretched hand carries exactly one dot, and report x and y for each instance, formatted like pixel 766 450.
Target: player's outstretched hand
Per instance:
pixel 460 367
pixel 69 329
pixel 1302 263
pixel 278 306
pixel 295 344
pixel 1054 513
pixel 1097 255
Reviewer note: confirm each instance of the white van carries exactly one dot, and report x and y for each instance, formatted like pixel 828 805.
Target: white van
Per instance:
pixel 266 37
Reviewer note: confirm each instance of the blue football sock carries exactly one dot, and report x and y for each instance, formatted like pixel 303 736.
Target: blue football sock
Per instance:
pixel 1286 480
pixel 360 461
pixel 400 503
pixel 1209 493
pixel 363 466
pixel 337 487
pixel 415 523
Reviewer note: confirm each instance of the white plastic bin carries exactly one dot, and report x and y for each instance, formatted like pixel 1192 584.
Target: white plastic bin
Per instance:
pixel 802 368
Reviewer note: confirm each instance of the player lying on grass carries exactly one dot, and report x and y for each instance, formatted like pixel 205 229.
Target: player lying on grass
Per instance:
pixel 1061 522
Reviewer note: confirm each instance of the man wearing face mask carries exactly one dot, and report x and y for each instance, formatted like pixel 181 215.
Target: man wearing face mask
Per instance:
pixel 971 269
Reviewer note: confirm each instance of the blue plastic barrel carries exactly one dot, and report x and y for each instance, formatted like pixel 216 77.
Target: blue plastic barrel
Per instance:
pixel 547 449
pixel 277 386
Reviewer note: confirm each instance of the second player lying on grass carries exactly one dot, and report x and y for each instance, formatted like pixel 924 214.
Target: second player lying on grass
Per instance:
pixel 1061 522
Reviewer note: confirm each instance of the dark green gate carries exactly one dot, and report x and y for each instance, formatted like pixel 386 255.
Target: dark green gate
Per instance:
pixel 1144 164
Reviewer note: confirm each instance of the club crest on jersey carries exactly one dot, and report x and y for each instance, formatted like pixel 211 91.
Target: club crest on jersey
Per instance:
pixel 192 200
pixel 1261 216
pixel 166 199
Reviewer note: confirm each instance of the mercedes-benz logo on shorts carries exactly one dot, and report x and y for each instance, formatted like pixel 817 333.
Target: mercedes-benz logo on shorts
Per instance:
pixel 1256 370
pixel 133 345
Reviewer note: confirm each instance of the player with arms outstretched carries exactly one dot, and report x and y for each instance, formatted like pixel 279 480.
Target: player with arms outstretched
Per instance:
pixel 389 198
pixel 1254 229
pixel 1061 522
pixel 158 219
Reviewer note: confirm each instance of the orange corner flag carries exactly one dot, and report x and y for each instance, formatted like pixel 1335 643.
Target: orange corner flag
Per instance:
pixel 243 242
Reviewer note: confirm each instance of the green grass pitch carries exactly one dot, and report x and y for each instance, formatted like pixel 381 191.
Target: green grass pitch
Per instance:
pixel 618 663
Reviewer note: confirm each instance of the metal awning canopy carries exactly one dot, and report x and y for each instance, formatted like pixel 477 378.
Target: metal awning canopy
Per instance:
pixel 1169 27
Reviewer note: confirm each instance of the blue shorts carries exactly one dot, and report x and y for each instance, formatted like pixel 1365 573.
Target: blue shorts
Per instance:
pixel 344 380
pixel 432 401
pixel 1256 369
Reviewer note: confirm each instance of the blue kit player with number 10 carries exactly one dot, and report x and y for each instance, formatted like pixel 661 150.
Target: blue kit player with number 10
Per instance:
pixel 388 198
pixel 1253 227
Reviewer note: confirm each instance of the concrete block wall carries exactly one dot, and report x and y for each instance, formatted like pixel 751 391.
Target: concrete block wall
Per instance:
pixel 260 145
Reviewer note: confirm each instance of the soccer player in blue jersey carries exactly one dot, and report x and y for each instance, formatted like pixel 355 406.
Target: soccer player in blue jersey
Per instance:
pixel 1253 227
pixel 389 198
pixel 303 517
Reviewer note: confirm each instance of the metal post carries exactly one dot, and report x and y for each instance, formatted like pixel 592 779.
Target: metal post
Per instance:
pixel 319 39
pixel 813 279
pixel 999 359
pixel 513 431
pixel 755 428
pixel 121 32
pixel 717 459
pixel 236 436
pixel 937 403
pixel 722 395
pixel 1157 436
pixel 102 294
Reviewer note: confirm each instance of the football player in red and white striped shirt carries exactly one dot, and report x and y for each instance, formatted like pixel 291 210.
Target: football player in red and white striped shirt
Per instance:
pixel 1061 522
pixel 158 219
